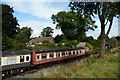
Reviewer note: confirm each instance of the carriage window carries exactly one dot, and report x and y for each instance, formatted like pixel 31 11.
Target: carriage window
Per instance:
pixel 37 56
pixel 69 53
pixel 11 60
pixel 56 54
pixel 63 53
pixel 73 52
pixel 27 58
pixel 77 52
pixel 51 55
pixel 44 56
pixel 80 51
pixel 59 54
pixel 21 58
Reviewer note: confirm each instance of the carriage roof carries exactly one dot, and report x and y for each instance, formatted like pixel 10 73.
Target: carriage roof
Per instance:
pixel 17 52
pixel 56 50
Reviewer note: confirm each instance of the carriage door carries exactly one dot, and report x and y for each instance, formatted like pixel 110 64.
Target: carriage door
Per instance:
pixel 31 57
pixel 22 58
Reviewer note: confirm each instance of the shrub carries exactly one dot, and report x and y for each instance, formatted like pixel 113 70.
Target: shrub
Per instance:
pixel 69 44
pixel 90 46
pixel 95 44
pixel 45 42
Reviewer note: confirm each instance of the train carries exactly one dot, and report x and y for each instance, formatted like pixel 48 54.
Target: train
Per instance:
pixel 17 61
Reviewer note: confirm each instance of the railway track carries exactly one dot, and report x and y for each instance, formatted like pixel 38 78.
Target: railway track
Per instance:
pixel 36 68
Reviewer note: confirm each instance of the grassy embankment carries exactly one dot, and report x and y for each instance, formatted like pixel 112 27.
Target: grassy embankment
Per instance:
pixel 94 67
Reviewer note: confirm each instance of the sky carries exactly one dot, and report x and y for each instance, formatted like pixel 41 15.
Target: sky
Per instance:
pixel 37 15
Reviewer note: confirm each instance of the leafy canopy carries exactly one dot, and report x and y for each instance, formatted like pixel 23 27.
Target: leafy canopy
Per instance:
pixel 13 37
pixel 25 32
pixel 9 22
pixel 9 26
pixel 47 32
pixel 105 10
pixel 72 25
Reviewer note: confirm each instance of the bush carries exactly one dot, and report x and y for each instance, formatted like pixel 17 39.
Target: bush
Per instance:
pixel 29 48
pixel 69 44
pixel 90 46
pixel 95 44
pixel 45 42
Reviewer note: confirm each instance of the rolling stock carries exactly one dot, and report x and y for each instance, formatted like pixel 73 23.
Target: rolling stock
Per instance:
pixel 17 61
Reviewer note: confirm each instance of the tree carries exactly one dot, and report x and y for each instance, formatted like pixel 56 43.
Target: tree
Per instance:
pixel 21 38
pixel 59 38
pixel 47 32
pixel 9 26
pixel 9 22
pixel 72 25
pixel 89 39
pixel 118 38
pixel 25 32
pixel 105 12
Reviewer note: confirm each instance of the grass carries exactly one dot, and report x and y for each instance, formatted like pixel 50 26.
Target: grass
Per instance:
pixel 94 67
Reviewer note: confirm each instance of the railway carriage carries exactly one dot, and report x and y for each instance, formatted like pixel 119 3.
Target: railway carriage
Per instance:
pixel 50 55
pixel 14 60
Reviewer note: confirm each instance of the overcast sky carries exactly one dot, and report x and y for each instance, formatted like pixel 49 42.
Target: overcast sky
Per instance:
pixel 37 15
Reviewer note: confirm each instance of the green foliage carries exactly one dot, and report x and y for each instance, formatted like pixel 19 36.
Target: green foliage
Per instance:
pixel 103 10
pixel 113 46
pixel 51 45
pixel 118 38
pixel 45 42
pixel 29 48
pixel 45 46
pixel 113 39
pixel 18 45
pixel 9 22
pixel 88 39
pixel 47 32
pixel 21 38
pixel 59 38
pixel 69 44
pixel 25 32
pixel 9 26
pixel 72 25
pixel 90 46
pixel 73 43
pixel 13 37
pixel 7 43
pixel 95 44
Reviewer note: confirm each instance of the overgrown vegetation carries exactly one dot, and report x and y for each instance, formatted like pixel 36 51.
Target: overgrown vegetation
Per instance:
pixel 90 46
pixel 94 67
pixel 62 44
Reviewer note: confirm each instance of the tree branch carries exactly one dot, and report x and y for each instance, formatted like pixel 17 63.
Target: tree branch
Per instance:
pixel 106 22
pixel 111 21
pixel 99 11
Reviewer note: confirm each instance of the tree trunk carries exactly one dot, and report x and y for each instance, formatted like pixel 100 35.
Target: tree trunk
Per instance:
pixel 102 40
